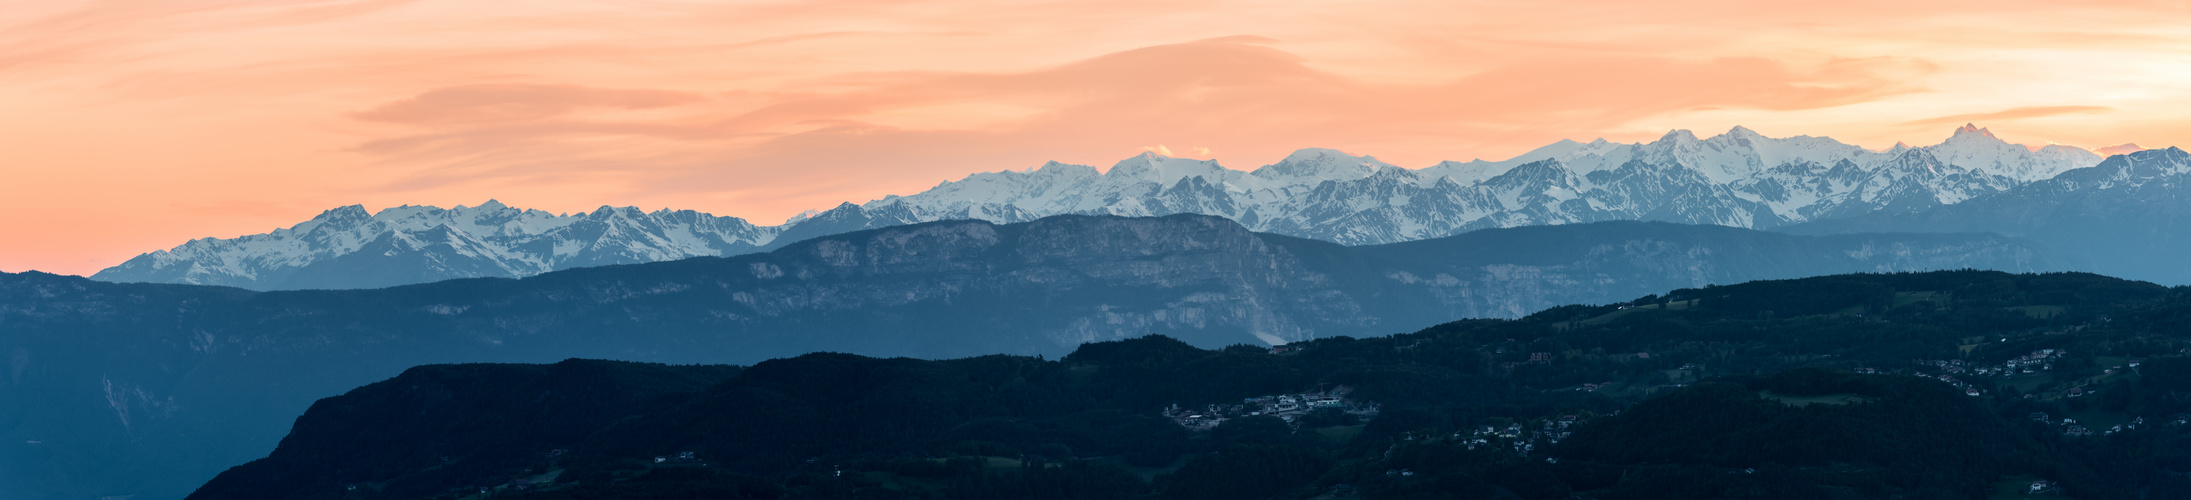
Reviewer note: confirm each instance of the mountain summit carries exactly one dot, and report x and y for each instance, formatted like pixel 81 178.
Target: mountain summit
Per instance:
pixel 1972 128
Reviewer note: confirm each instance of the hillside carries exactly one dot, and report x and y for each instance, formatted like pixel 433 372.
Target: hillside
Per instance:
pixel 1856 386
pixel 149 389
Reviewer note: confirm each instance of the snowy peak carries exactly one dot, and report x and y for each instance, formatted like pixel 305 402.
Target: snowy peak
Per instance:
pixel 1970 132
pixel 809 214
pixel 1972 129
pixel 489 240
pixel 1315 165
pixel 1166 170
pixel 1979 150
pixel 347 213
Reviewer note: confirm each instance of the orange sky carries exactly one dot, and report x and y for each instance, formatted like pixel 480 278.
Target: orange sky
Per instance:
pixel 129 126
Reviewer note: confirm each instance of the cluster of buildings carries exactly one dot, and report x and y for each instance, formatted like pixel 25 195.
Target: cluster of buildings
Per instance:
pixel 2071 428
pixel 1523 439
pixel 1535 358
pixel 1968 390
pixel 2036 362
pixel 1288 407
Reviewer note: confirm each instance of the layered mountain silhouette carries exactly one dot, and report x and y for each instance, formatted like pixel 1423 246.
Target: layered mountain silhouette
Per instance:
pixel 2131 215
pixel 148 389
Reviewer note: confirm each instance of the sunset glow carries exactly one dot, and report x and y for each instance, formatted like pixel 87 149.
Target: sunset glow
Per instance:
pixel 133 126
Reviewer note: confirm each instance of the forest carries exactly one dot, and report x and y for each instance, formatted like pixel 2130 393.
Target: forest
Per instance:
pixel 1948 385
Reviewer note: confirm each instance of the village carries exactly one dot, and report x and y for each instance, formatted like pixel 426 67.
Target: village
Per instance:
pixel 2042 363
pixel 1522 438
pixel 1292 408
pixel 2035 363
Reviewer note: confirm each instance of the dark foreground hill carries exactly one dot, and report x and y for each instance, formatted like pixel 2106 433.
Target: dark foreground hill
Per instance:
pixel 138 389
pixel 1931 385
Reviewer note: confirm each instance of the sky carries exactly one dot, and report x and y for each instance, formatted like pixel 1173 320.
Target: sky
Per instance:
pixel 130 126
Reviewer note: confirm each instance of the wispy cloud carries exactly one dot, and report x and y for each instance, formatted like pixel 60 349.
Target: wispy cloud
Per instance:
pixel 1227 94
pixel 494 103
pixel 115 112
pixel 2008 114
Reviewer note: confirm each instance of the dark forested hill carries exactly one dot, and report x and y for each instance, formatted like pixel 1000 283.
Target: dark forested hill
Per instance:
pixel 121 389
pixel 1932 385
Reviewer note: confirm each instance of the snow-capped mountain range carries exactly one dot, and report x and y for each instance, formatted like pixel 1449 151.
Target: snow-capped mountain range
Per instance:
pixel 348 247
pixel 1739 178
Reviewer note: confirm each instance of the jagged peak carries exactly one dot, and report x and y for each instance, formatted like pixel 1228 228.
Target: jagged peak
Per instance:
pixel 1678 135
pixel 1972 128
pixel 1743 132
pixel 1136 163
pixel 1914 153
pixel 607 211
pixel 345 212
pixel 1548 166
pixel 808 214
